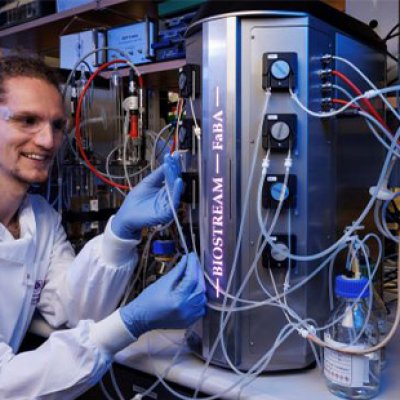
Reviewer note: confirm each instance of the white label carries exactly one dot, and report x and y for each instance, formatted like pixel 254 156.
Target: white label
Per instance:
pixel 94 205
pixel 344 369
pixel 94 225
pixel 131 103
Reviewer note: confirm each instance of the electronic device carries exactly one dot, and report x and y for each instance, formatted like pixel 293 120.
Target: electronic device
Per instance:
pixel 170 43
pixel 74 46
pixel 134 39
pixel 63 5
pixel 20 11
pixel 243 53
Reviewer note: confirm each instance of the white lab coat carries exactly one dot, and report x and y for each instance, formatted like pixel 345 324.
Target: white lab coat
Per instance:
pixel 39 271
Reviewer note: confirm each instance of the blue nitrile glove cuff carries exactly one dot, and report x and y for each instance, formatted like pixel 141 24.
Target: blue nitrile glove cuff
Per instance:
pixel 122 232
pixel 134 321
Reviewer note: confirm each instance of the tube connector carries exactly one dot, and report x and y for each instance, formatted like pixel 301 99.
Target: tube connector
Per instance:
pixel 326 58
pixel 265 164
pixel 383 194
pixel 325 73
pixel 326 87
pixel 308 330
pixel 351 238
pixel 369 94
pixel 288 162
pixel 303 333
pixel 351 227
pixel 326 104
pixel 197 131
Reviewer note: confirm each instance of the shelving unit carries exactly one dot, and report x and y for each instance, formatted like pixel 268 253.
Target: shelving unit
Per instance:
pixel 42 35
pixel 156 75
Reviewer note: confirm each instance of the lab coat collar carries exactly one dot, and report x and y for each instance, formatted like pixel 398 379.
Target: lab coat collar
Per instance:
pixel 19 250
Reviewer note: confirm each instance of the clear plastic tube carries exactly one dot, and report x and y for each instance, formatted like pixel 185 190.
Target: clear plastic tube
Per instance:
pixel 115 384
pixel 371 276
pixel 388 135
pixel 345 92
pixel 125 149
pixel 378 91
pixel 368 116
pixel 178 225
pixel 154 152
pixel 377 220
pixel 242 222
pixel 356 224
pixel 322 114
pixel 389 89
pixel 193 237
pixel 290 290
pixel 75 67
pixel 224 320
pixel 257 368
pixel 335 249
pixel 105 392
pixel 251 373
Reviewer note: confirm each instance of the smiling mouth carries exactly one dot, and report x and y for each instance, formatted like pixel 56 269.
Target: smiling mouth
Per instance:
pixel 36 157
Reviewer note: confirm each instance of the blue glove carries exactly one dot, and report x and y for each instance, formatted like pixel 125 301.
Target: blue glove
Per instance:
pixel 175 301
pixel 147 204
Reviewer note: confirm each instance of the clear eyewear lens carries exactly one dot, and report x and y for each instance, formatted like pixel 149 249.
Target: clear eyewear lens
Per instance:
pixel 31 123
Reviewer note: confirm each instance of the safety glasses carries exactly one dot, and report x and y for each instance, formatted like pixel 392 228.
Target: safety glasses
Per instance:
pixel 31 123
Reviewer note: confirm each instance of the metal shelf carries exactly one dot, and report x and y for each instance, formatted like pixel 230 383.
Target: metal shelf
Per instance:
pixel 156 75
pixel 42 34
pixel 151 68
pixel 60 16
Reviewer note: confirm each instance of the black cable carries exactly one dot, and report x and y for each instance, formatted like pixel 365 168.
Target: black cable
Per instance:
pixel 393 36
pixel 393 57
pixel 391 32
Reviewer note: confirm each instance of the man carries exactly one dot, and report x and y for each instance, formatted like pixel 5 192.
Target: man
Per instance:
pixel 39 271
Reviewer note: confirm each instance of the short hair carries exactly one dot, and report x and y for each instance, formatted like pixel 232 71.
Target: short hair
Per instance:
pixel 29 66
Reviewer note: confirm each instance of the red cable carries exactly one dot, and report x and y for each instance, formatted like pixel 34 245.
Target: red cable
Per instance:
pixel 175 138
pixel 344 102
pixel 367 103
pixel 78 123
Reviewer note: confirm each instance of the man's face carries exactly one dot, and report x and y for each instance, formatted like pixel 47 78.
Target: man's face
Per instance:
pixel 31 129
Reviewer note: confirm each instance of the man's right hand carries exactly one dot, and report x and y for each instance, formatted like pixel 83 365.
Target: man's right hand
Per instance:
pixel 147 204
pixel 175 301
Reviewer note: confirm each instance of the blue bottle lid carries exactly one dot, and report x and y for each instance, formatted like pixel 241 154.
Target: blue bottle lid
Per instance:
pixel 163 247
pixel 352 288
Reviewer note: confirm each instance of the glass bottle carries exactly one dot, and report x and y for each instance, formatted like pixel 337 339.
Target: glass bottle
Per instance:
pixel 379 309
pixel 352 376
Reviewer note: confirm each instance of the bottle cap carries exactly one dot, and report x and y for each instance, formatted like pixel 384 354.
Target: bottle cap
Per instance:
pixel 352 288
pixel 163 247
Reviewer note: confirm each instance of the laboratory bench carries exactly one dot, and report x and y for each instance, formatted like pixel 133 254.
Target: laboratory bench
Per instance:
pixel 136 367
